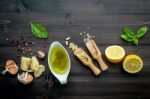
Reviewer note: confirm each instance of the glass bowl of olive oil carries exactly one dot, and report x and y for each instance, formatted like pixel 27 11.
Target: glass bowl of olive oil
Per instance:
pixel 59 62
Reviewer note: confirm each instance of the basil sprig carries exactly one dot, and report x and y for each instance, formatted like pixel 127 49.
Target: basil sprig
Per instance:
pixel 130 36
pixel 39 30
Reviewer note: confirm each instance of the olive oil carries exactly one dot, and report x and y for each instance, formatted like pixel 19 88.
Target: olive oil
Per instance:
pixel 58 59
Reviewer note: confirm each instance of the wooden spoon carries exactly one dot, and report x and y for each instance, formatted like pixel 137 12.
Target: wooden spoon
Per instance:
pixel 96 54
pixel 86 60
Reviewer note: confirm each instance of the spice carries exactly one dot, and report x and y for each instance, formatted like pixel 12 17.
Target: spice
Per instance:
pixel 94 51
pixel 10 67
pixel 28 49
pixel 7 39
pixel 84 58
pixel 40 54
pixel 26 44
pixel 22 44
pixel 79 52
pixel 81 33
pixel 25 78
pixel 66 42
pixel 68 38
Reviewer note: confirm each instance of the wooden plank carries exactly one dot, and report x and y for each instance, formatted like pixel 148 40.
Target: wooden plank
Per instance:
pixel 79 6
pixel 104 19
pixel 60 32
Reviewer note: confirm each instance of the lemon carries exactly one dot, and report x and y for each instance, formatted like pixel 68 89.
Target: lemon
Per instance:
pixel 39 72
pixel 115 53
pixel 132 64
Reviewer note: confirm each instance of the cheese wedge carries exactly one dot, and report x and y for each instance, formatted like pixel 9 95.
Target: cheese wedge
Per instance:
pixel 34 63
pixel 25 63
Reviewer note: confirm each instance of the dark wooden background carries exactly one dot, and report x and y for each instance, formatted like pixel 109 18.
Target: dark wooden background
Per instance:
pixel 104 19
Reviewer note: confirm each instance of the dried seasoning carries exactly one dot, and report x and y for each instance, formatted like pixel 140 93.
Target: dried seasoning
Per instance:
pixel 84 58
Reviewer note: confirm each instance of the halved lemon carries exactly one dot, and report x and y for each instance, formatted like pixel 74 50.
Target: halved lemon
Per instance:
pixel 132 64
pixel 115 53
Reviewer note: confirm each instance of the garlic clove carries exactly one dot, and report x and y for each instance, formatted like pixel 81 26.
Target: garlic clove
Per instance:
pixel 40 54
pixel 11 67
pixel 25 78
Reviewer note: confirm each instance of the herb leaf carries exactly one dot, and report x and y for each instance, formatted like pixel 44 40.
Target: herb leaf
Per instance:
pixel 136 42
pixel 125 37
pixel 141 31
pixel 130 36
pixel 129 33
pixel 39 31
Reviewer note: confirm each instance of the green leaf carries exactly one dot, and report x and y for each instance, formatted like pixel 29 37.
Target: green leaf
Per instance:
pixel 39 31
pixel 125 37
pixel 129 33
pixel 141 31
pixel 136 42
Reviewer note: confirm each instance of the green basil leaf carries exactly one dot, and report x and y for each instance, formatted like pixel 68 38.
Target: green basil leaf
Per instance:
pixel 125 37
pixel 129 33
pixel 141 31
pixel 136 42
pixel 39 31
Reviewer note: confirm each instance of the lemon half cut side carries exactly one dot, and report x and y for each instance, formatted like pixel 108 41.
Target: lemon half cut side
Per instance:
pixel 132 64
pixel 115 53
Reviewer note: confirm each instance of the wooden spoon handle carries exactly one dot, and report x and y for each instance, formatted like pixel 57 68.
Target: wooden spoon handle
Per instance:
pixel 103 65
pixel 95 70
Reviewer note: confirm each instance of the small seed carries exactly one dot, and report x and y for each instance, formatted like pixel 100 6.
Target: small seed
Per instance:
pixel 66 42
pixel 7 39
pixel 28 49
pixel 81 33
pixel 88 35
pixel 68 38
pixel 26 44
pixel 32 43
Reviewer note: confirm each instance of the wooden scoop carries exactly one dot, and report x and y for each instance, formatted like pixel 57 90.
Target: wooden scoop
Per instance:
pixel 86 60
pixel 96 54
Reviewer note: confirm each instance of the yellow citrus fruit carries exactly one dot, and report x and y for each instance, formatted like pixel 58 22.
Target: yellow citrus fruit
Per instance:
pixel 115 53
pixel 132 64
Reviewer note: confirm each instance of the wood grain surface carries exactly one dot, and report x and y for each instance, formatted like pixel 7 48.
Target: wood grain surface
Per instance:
pixel 104 19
